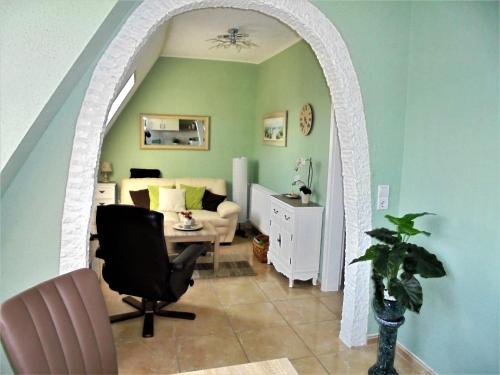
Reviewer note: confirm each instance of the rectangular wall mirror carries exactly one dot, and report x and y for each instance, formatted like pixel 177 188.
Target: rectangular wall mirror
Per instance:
pixel 174 132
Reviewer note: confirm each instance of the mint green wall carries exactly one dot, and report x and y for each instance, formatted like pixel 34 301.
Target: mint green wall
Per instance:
pixel 376 34
pixel 451 167
pixel 35 33
pixel 32 204
pixel 286 82
pixel 459 88
pixel 225 91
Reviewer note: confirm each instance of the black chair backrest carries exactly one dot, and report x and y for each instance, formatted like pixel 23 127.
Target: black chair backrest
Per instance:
pixel 132 244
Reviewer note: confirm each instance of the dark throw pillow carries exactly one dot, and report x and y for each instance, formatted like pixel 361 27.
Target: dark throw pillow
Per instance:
pixel 140 198
pixel 144 173
pixel 210 200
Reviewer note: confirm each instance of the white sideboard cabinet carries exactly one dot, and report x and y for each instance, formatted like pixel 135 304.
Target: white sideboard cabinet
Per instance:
pixel 295 238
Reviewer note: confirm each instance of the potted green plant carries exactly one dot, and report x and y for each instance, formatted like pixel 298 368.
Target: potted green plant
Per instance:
pixel 304 188
pixel 395 263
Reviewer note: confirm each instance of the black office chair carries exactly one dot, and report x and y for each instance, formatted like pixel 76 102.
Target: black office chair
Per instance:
pixel 132 245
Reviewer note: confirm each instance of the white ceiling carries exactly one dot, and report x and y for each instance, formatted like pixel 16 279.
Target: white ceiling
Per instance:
pixel 187 34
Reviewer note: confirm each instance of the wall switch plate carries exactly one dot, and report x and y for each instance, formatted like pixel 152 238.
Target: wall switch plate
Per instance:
pixel 383 197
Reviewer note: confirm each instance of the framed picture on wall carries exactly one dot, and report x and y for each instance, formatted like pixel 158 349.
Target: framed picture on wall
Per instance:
pixel 275 129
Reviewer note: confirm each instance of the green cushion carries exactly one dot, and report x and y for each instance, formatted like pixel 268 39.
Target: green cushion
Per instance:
pixel 194 195
pixel 154 196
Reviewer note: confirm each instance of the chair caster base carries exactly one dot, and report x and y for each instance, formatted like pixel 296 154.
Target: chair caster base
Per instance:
pixel 149 309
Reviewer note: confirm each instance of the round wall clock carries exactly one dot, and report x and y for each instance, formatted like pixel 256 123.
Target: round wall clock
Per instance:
pixel 306 119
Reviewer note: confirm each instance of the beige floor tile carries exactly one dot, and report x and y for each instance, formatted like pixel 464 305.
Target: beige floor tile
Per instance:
pixel 209 321
pixel 201 293
pixel 308 366
pixel 278 290
pixel 347 362
pixel 271 343
pixel 305 310
pixel 333 302
pixel 321 337
pixel 405 367
pixel 146 356
pixel 240 290
pixel 254 315
pixel 202 352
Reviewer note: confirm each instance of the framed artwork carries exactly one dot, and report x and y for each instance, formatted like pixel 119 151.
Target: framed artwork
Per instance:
pixel 275 129
pixel 174 132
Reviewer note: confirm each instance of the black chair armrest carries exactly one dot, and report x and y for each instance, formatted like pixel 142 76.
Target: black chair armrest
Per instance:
pixel 100 254
pixel 188 256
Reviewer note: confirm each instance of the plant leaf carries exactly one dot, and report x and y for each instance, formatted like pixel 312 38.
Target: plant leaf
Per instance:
pixel 371 253
pixel 395 258
pixel 380 262
pixel 408 292
pixel 385 235
pixel 422 262
pixel 412 217
pixel 404 228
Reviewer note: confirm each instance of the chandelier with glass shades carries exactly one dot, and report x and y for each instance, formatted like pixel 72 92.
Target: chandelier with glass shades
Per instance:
pixel 232 38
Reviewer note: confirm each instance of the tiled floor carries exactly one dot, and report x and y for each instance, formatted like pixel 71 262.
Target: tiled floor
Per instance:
pixel 241 320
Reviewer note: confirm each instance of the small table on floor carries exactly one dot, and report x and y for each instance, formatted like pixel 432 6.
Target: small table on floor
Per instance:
pixel 207 234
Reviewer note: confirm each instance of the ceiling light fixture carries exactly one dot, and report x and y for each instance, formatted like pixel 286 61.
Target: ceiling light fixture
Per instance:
pixel 232 38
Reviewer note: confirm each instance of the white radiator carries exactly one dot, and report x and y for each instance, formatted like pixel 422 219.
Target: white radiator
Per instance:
pixel 260 210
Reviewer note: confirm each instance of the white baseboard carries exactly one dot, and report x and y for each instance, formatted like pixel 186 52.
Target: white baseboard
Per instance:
pixel 405 353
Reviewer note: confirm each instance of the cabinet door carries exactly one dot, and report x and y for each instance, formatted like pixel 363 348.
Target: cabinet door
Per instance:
pixel 286 245
pixel 280 242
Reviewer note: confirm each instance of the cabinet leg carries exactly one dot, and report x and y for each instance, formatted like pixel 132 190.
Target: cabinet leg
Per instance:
pixel 315 281
pixel 290 283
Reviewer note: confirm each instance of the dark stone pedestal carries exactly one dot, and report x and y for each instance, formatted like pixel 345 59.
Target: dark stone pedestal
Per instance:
pixel 390 317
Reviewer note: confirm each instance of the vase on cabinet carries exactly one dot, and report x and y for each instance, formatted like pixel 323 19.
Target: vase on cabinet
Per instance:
pixel 305 198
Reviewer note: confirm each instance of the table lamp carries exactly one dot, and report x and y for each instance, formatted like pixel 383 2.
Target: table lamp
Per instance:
pixel 105 169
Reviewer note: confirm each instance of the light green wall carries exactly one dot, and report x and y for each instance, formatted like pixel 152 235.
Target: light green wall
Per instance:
pixel 224 91
pixel 35 34
pixel 286 82
pixel 451 167
pixel 32 204
pixel 376 34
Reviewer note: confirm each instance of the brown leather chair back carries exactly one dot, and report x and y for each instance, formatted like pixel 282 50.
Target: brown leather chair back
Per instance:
pixel 59 326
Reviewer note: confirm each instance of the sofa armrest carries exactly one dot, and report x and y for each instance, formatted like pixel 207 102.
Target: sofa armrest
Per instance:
pixel 228 208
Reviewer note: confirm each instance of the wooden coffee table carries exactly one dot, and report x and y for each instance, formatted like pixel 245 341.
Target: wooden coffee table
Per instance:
pixel 207 234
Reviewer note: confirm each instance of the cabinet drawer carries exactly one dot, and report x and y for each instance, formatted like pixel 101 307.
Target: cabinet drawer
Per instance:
pixel 105 191
pixel 104 201
pixel 284 215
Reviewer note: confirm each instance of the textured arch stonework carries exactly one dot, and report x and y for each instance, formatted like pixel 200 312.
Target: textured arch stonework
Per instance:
pixel 115 67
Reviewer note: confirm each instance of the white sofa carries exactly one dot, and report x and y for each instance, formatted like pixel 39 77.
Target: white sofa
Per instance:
pixel 224 219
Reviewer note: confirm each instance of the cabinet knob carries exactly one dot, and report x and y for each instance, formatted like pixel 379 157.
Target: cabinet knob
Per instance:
pixel 279 239
pixel 102 191
pixel 287 217
pixel 101 204
pixel 275 210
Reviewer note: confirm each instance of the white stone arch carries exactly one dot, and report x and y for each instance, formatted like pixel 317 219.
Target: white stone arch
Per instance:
pixel 114 68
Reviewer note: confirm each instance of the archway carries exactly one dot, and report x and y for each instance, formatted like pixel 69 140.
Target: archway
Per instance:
pixel 347 116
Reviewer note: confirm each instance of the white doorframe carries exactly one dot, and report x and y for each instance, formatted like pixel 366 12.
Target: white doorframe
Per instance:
pixel 333 229
pixel 114 68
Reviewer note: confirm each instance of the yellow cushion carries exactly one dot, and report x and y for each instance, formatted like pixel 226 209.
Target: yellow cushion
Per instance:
pixel 194 195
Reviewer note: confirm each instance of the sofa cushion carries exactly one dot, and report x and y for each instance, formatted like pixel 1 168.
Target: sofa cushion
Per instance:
pixel 140 198
pixel 194 195
pixel 128 184
pixel 212 217
pixel 171 199
pixel 215 185
pixel 143 173
pixel 211 201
